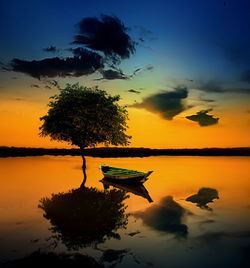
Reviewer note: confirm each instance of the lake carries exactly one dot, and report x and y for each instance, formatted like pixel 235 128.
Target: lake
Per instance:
pixel 199 217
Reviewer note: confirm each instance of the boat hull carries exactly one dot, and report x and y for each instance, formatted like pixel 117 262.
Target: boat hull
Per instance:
pixel 136 177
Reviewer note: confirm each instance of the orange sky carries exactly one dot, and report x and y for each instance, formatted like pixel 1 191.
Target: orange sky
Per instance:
pixel 20 122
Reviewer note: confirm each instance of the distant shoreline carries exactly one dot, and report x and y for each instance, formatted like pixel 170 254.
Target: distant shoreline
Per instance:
pixel 123 152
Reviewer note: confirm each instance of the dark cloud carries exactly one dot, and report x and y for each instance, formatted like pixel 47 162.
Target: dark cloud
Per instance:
pixel 203 118
pixel 216 87
pixel 35 85
pixel 86 63
pixel 134 91
pixel 113 74
pixel 240 90
pixel 136 71
pixel 116 73
pixel 206 100
pixel 50 49
pixel 166 104
pixel 53 83
pixel 213 237
pixel 204 196
pixel 208 221
pixel 105 43
pixel 238 53
pixel 4 67
pixel 107 34
pixel 211 86
pixel 246 76
pixel 166 217
pixel 144 34
pixel 149 67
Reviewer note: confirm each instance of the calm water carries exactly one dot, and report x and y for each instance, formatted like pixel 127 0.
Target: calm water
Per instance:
pixel 168 232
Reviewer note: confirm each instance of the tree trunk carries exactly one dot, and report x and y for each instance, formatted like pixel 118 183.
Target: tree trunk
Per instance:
pixel 83 168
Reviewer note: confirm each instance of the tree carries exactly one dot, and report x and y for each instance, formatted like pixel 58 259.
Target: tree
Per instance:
pixel 85 117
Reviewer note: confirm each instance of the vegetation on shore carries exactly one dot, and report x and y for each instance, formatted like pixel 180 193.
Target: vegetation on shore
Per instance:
pixel 123 152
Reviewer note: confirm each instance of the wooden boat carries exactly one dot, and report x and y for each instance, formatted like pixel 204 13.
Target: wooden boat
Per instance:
pixel 135 188
pixel 123 174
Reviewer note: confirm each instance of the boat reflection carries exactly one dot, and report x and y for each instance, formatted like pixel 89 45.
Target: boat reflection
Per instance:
pixel 85 216
pixel 136 188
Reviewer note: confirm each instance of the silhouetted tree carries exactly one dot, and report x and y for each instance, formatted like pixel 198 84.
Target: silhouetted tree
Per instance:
pixel 85 117
pixel 85 216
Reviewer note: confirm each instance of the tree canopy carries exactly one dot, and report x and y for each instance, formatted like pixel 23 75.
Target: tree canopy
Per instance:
pixel 85 117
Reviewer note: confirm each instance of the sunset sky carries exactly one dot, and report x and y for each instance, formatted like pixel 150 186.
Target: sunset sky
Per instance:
pixel 181 67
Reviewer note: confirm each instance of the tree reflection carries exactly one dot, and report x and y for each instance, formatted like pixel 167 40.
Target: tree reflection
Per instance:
pixel 204 196
pixel 85 216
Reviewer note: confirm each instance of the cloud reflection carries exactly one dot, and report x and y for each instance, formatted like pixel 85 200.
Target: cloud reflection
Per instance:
pixel 204 196
pixel 165 216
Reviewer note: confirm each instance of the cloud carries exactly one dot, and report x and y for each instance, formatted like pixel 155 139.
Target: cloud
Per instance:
pixel 238 53
pixel 166 104
pixel 105 41
pixel 149 67
pixel 165 216
pixel 206 100
pixel 4 67
pixel 213 237
pixel 211 86
pixel 204 196
pixel 203 118
pixel 53 83
pixel 50 49
pixel 134 91
pixel 216 87
pixel 108 35
pixel 35 85
pixel 246 76
pixel 113 74
pixel 116 73
pixel 86 63
pixel 144 34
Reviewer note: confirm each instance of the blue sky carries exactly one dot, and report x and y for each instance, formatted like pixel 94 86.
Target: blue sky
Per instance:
pixel 195 37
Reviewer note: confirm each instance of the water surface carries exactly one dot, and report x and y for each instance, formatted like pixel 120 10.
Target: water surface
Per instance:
pixel 210 228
